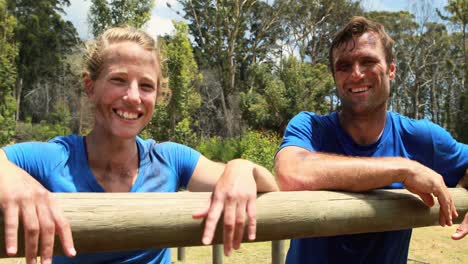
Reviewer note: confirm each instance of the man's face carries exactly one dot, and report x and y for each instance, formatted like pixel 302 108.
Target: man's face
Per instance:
pixel 362 75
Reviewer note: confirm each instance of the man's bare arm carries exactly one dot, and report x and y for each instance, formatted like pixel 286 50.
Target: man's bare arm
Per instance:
pixel 300 169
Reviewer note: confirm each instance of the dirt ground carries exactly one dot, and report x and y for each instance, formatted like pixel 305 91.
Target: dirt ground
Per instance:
pixel 429 245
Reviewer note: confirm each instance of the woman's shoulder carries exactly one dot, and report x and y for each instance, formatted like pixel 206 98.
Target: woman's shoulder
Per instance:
pixel 166 149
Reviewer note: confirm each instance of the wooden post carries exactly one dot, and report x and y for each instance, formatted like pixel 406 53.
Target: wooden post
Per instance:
pixel 128 221
pixel 217 253
pixel 277 252
pixel 181 254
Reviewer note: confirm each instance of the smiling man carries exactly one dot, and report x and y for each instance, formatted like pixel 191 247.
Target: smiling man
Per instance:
pixel 364 147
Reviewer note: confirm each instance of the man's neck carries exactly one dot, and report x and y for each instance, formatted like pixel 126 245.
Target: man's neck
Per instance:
pixel 364 129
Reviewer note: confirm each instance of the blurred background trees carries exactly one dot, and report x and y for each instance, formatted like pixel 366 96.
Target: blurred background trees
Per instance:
pixel 235 72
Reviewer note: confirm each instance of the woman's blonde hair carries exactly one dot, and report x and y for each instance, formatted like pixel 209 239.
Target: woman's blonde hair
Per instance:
pixel 95 50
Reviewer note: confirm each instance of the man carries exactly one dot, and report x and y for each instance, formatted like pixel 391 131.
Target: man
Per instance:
pixel 364 147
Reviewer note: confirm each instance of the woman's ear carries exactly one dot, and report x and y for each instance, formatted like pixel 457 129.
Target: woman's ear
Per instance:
pixel 88 84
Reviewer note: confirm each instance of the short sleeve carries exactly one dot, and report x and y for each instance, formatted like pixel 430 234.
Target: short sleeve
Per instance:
pixel 298 133
pixel 450 157
pixel 181 158
pixel 36 158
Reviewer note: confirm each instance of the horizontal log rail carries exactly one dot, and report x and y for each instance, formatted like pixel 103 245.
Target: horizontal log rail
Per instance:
pixel 126 221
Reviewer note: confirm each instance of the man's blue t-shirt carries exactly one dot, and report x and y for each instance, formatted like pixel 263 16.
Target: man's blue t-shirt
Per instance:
pixel 61 165
pixel 421 140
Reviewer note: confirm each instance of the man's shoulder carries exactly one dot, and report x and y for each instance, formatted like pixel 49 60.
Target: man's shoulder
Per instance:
pixel 423 130
pixel 311 117
pixel 409 124
pixel 308 114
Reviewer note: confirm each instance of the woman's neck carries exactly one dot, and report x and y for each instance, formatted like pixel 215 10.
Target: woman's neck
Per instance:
pixel 114 162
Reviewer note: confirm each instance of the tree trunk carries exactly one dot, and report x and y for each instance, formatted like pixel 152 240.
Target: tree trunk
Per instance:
pixel 46 85
pixel 434 103
pixel 18 92
pixel 415 114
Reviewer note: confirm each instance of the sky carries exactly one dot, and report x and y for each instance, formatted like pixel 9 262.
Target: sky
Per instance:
pixel 162 16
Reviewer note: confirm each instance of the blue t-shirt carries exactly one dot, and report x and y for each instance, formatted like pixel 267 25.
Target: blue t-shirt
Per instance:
pixel 61 165
pixel 421 140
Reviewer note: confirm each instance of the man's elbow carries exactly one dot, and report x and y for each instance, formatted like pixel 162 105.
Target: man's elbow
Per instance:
pixel 288 179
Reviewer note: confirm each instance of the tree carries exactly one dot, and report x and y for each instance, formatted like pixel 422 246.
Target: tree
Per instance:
pixel 276 95
pixel 428 83
pixel 459 16
pixel 43 39
pixel 228 36
pixel 8 53
pixel 182 71
pixel 312 23
pixel 104 14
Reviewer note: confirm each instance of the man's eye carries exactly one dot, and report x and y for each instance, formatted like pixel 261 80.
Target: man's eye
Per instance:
pixel 368 62
pixel 342 67
pixel 118 80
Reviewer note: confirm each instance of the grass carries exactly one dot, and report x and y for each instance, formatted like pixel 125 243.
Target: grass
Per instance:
pixel 428 245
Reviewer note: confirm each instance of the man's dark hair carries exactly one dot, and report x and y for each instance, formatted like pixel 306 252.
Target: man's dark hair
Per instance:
pixel 357 26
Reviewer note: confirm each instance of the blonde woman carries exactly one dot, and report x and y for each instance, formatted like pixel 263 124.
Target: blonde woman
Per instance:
pixel 122 76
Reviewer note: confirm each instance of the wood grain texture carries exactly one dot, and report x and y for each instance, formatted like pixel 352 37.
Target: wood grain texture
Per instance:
pixel 125 221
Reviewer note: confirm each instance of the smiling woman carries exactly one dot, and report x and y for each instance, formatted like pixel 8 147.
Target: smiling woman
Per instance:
pixel 121 78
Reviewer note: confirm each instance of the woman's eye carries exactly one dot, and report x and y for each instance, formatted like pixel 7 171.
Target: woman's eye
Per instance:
pixel 147 86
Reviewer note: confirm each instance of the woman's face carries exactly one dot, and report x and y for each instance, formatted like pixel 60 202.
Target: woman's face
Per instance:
pixel 124 93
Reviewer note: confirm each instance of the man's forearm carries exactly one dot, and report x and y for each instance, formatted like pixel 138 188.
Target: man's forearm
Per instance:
pixel 305 170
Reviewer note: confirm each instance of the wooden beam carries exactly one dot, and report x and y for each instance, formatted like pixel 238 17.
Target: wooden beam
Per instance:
pixel 126 221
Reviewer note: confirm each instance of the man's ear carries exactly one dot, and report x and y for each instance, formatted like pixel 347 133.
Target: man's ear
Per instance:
pixel 88 84
pixel 392 70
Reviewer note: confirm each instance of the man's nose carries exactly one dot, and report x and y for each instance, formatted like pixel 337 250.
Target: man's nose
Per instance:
pixel 357 71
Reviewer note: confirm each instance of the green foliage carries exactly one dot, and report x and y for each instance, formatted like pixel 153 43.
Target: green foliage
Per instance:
pixel 8 53
pixel 158 127
pixel 310 25
pixel 7 119
pixel 260 147
pixel 228 37
pixel 175 119
pixel 462 120
pixel 61 114
pixel 275 96
pixel 44 38
pixel 42 131
pixel 184 134
pixel 182 71
pixel 57 125
pixel 218 149
pixel 104 14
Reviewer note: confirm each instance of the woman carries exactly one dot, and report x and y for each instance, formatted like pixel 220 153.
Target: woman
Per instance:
pixel 121 78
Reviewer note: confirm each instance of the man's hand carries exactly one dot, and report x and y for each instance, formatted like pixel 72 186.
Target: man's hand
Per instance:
pixel 23 198
pixel 235 194
pixel 462 230
pixel 427 183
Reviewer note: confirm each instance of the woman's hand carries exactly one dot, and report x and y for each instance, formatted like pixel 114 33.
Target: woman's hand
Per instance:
pixel 235 194
pixel 23 199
